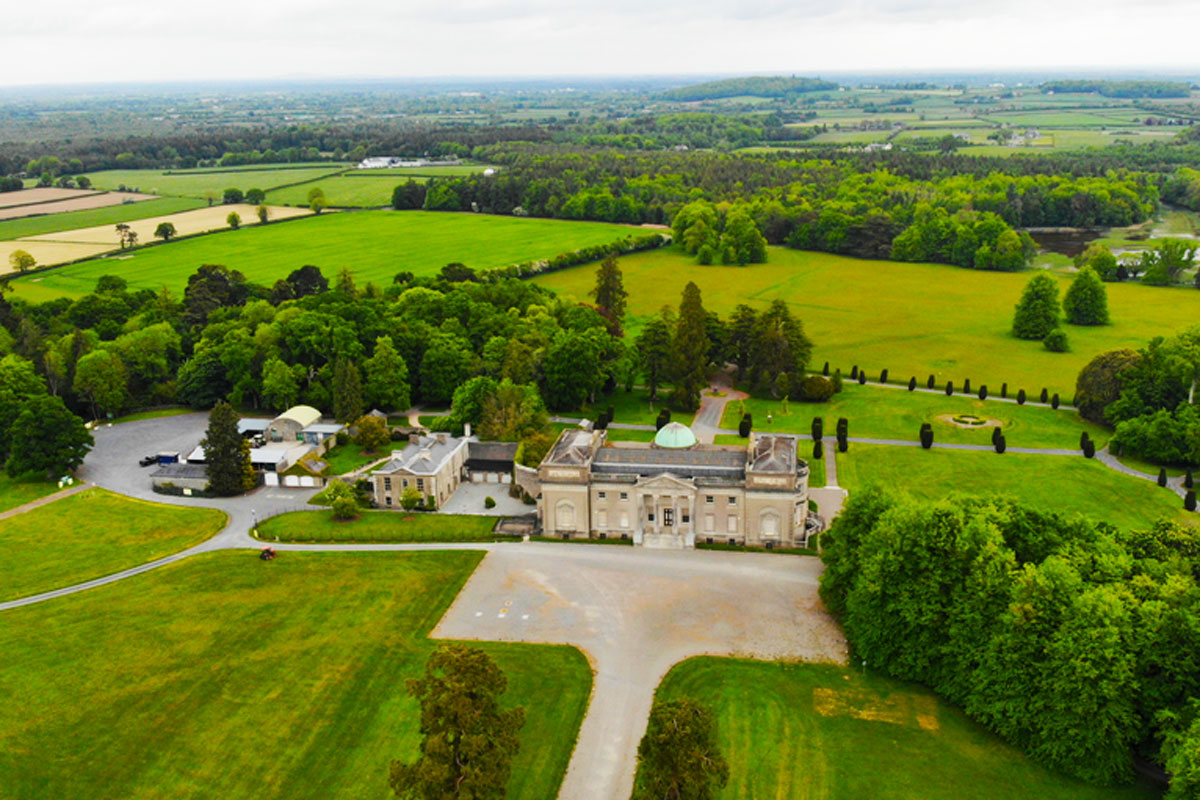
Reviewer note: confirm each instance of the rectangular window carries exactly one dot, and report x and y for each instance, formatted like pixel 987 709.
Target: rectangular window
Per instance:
pixel 650 517
pixel 710 499
pixel 601 495
pixel 668 516
pixel 388 499
pixel 731 525
pixel 420 484
pixel 684 517
pixel 387 484
pixel 732 501
pixel 624 495
pixel 404 483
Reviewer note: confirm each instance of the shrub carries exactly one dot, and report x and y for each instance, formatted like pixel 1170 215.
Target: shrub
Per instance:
pixel 929 384
pixel 744 428
pixel 912 383
pixel 843 426
pixel 883 376
pixel 1084 439
pixel 1004 390
pixel 664 417
pixel 818 450
pixel 1189 500
pixel 825 369
pixel 1056 341
pixel 949 388
pixel 983 392
pixel 1054 401
pixel 410 498
pixel 1001 444
pixel 926 436
pixel 837 381
pixel 489 502
pixel 967 386
pixel 996 434
pixel 1089 449
pixel 1188 481
pixel 343 438
pixel 816 389
pixel 1021 397
pixel 854 372
pixel 1162 476
pixel 843 444
pixel 345 508
pixel 1044 396
pixel 818 428
pixel 862 378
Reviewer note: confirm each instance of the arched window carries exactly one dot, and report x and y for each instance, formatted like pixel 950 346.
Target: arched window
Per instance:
pixel 564 515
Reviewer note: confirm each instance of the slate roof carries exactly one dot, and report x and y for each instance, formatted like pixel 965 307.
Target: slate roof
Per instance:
pixel 773 453
pixel 181 471
pixel 423 457
pixel 682 463
pixel 491 451
pixel 573 449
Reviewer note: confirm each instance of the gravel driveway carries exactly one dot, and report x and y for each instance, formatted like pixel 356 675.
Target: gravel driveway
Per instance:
pixel 635 613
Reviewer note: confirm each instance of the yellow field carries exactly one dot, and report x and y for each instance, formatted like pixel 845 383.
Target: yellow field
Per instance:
pixel 50 252
pixel 43 194
pixel 186 223
pixel 82 203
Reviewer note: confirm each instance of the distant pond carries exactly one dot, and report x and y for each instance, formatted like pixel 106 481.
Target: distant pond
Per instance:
pixel 1069 242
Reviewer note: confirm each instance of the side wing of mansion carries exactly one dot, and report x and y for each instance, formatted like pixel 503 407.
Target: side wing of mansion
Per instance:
pixel 675 492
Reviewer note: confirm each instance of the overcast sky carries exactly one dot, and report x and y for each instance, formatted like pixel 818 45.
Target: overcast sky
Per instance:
pixel 71 41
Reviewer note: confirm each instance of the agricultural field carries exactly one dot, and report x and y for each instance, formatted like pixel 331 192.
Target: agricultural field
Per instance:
pixel 1066 484
pixel 44 223
pixel 353 190
pixel 876 412
pixel 92 534
pixel 882 314
pixel 45 194
pixel 424 243
pixel 226 676
pixel 792 731
pixel 209 183
pixel 377 526
pixel 45 253
pixel 82 202
pixel 425 172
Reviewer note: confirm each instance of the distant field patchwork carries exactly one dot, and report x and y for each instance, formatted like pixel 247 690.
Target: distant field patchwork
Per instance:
pixel 355 190
pixel 375 245
pixel 207 183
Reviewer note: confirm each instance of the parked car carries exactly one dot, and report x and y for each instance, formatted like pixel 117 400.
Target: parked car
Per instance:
pixel 147 461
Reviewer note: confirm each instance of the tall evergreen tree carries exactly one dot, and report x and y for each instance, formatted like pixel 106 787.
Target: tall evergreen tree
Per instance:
pixel 740 337
pixel 690 347
pixel 227 453
pixel 468 740
pixel 347 391
pixel 609 293
pixel 780 347
pixel 1037 313
pixel 1086 301
pixel 387 378
pixel 654 351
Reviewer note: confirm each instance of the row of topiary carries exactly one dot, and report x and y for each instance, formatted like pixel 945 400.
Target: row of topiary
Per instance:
pixel 1053 400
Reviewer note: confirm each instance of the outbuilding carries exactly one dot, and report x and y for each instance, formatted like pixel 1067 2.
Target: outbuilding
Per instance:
pixel 287 427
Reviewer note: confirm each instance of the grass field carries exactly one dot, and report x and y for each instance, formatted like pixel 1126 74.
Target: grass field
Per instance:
pixel 71 220
pixel 377 526
pixel 913 319
pixel 793 731
pixel 348 457
pixel 15 492
pixel 878 413
pixel 375 245
pixel 348 191
pixel 203 183
pixel 428 172
pixel 224 676
pixel 92 534
pixel 1066 484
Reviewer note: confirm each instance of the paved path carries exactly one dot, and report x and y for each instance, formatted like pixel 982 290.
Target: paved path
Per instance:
pixel 636 613
pixel 707 423
pixel 1109 460
pixel 41 501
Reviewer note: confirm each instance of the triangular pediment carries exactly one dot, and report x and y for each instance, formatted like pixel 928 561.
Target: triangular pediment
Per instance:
pixel 665 480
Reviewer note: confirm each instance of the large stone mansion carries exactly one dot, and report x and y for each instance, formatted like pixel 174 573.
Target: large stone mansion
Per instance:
pixel 675 492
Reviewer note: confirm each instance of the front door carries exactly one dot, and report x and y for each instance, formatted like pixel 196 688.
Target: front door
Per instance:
pixel 668 516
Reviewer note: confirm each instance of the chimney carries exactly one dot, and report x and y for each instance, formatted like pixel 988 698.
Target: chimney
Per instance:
pixel 443 436
pixel 467 430
pixel 414 438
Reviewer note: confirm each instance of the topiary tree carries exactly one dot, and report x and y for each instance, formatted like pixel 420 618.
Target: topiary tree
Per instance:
pixel 664 417
pixel 1189 500
pixel 983 393
pixel 1044 396
pixel 818 428
pixel 1001 444
pixel 929 384
pixel 912 383
pixel 1162 476
pixel 1056 341
pixel 843 426
pixel 1004 390
pixel 1089 449
pixel 967 386
pixel 1038 311
pixel 1021 397
pixel 744 428
pixel 854 372
pixel 1086 302
pixel 843 444
pixel 1084 438
pixel 883 376
pixel 862 378
pixel 489 502
pixel 1188 481
pixel 818 450
pixel 926 435
pixel 996 434
pixel 1054 401
pixel 825 369
pixel 949 388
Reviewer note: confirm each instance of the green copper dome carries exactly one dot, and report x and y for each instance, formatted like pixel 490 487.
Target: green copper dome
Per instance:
pixel 675 436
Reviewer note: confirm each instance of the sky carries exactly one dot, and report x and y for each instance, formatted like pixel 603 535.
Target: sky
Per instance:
pixel 83 41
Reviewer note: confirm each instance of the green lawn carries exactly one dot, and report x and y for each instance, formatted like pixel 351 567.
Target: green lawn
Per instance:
pixel 348 457
pixel 92 534
pixel 912 319
pixel 110 215
pixel 792 731
pixel 17 492
pixel 1066 484
pixel 633 408
pixel 352 191
pixel 377 526
pixel 224 676
pixel 428 172
pixel 375 245
pixel 201 183
pixel 878 413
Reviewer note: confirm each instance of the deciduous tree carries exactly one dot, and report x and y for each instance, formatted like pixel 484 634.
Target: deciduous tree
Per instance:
pixel 1086 301
pixel 679 756
pixel 47 439
pixel 1037 313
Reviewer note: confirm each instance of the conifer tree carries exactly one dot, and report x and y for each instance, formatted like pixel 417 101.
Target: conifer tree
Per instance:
pixel 227 453
pixel 609 292
pixel 387 386
pixel 690 346
pixel 1086 301
pixel 347 391
pixel 1038 311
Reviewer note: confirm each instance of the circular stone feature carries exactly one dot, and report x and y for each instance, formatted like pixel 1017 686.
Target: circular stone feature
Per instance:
pixel 675 436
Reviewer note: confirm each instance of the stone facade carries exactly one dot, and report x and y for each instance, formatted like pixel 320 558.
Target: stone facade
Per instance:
pixel 675 495
pixel 433 465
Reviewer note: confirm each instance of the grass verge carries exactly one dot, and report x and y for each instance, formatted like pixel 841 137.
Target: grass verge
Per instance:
pixel 377 526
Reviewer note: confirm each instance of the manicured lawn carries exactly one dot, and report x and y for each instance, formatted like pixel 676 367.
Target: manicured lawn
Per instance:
pixel 792 731
pixel 912 319
pixel 92 534
pixel 224 676
pixel 110 215
pixel 348 457
pixel 202 183
pixel 875 412
pixel 377 526
pixel 14 492
pixel 375 245
pixel 1066 484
